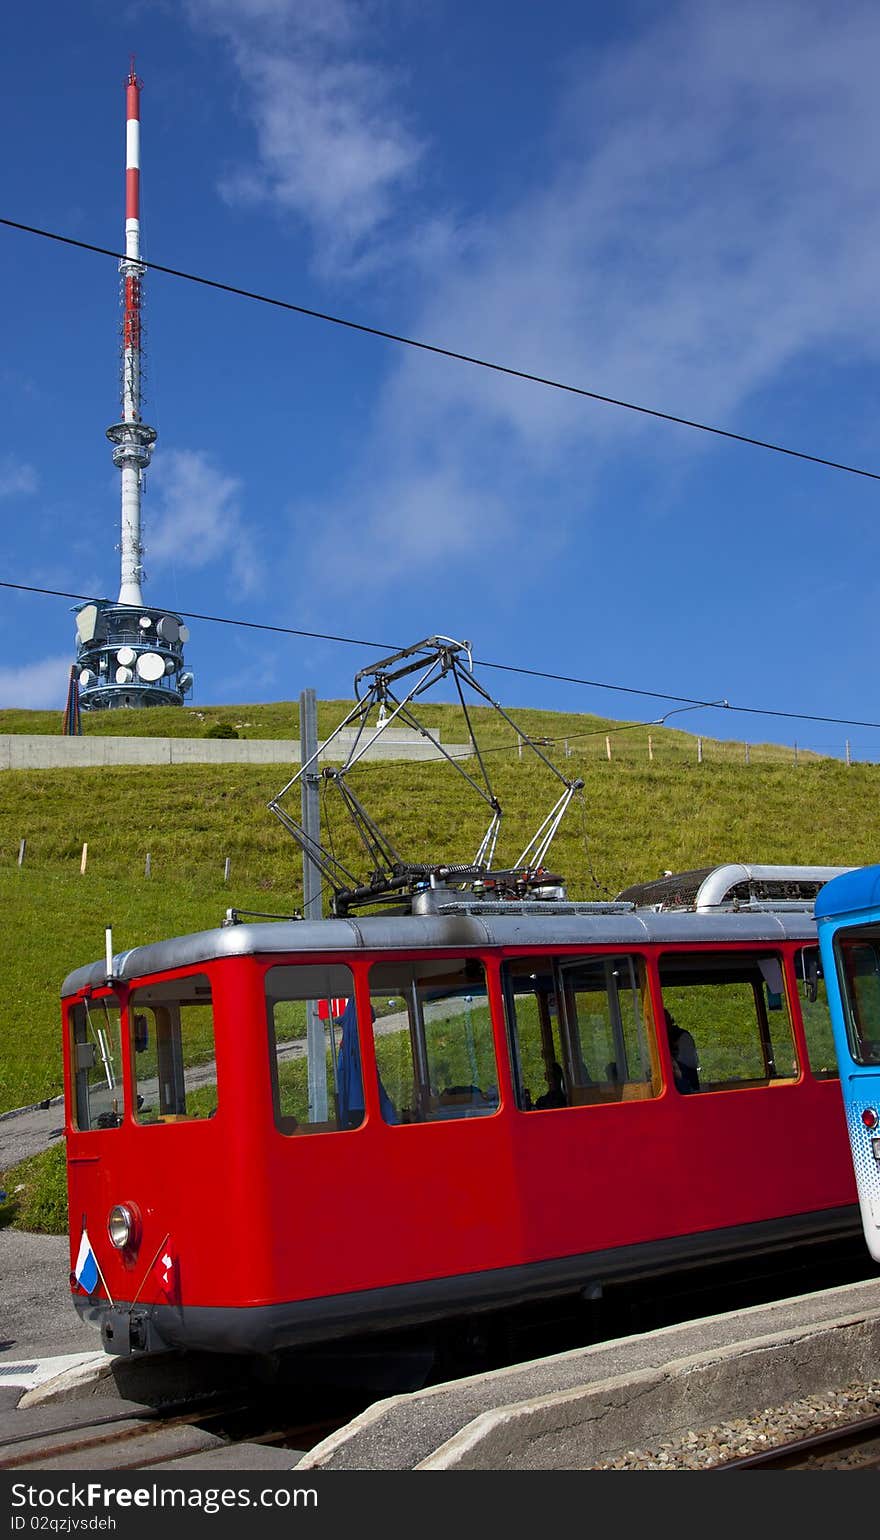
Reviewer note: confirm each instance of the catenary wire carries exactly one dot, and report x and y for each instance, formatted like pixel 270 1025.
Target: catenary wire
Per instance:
pixel 435 348
pixel 508 668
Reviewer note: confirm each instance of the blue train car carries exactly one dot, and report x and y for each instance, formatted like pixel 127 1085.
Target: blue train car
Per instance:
pixel 848 916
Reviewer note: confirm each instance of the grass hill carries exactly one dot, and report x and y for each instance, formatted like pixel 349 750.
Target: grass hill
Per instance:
pixel 280 719
pixel 638 816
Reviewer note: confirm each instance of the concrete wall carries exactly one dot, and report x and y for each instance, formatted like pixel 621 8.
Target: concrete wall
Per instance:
pixel 22 751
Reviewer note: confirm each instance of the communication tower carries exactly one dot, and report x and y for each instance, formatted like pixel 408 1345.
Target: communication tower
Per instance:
pixel 128 653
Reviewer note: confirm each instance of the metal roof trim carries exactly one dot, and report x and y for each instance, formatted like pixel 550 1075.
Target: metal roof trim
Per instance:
pixel 428 932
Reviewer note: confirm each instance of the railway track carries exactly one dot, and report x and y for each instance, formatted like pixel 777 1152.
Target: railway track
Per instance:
pixel 224 1432
pixel 852 1446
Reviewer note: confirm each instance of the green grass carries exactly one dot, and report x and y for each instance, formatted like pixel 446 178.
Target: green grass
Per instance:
pixel 36 1193
pixel 280 720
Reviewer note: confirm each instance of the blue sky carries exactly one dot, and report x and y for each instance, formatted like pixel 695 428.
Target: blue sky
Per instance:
pixel 675 204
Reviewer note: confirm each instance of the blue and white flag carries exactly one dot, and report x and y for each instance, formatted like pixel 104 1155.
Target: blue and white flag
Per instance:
pixel 86 1269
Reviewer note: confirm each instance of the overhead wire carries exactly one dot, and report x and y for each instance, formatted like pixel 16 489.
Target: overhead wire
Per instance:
pixel 444 352
pixel 509 668
pixel 689 701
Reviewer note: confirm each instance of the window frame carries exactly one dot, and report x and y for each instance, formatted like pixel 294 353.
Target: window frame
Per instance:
pixel 419 1055
pixel 289 1126
pixel 559 960
pixel 779 952
pixel 172 982
pixel 79 1082
pixel 795 984
pixel 845 937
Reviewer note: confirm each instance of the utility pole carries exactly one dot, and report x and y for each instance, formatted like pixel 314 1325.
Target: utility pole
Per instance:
pixel 313 897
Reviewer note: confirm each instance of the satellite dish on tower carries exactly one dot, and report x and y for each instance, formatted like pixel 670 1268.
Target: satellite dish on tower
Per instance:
pixel 168 629
pixel 124 676
pixel 150 666
pixel 85 622
pixel 126 656
pixel 145 622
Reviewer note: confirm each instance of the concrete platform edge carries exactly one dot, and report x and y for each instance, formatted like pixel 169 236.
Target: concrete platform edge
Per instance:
pixel 581 1419
pixel 577 1429
pixel 93 1368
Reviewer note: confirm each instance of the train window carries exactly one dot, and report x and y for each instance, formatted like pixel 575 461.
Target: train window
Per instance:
pixel 859 953
pixel 172 1050
pixel 315 1058
pixel 96 1063
pixel 580 1031
pixel 733 1005
pixel 815 1014
pixel 433 1034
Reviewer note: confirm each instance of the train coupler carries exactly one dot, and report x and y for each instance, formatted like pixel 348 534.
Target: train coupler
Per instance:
pixel 126 1332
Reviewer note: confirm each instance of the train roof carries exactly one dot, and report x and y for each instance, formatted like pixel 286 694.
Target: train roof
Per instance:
pixel 849 893
pixel 456 925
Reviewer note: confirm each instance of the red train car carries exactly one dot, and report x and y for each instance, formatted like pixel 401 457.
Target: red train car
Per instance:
pixel 291 1131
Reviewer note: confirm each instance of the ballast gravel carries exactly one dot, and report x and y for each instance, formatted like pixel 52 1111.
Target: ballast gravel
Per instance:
pixel 700 1449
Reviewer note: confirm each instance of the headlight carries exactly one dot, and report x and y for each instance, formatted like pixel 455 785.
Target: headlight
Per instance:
pixel 122 1226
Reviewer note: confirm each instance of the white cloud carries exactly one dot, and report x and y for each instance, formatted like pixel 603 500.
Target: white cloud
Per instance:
pixel 703 217
pixel 707 217
pixel 37 686
pixel 17 478
pixel 425 518
pixel 707 220
pixel 199 518
pixel 332 147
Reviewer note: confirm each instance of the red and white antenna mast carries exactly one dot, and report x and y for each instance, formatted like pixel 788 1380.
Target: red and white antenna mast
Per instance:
pixel 130 653
pixel 133 439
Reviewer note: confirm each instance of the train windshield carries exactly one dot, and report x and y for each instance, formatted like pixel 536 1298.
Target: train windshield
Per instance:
pixel 96 1058
pixel 433 1035
pixel 858 952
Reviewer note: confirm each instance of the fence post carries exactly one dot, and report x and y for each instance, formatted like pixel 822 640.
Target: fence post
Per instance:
pixel 21 850
pixel 83 860
pixel 748 756
pixel 699 751
pixel 147 866
pixel 519 744
pixel 650 747
pixel 795 753
pixel 848 760
pixel 226 865
pixel 608 746
pixel 565 741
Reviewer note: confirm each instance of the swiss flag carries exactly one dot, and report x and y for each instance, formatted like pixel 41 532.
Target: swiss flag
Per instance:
pixel 166 1273
pixel 334 1007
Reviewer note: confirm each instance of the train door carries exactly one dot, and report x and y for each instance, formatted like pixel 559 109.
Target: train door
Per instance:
pixel 751 1139
pixel 587 1075
pixel 445 1152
